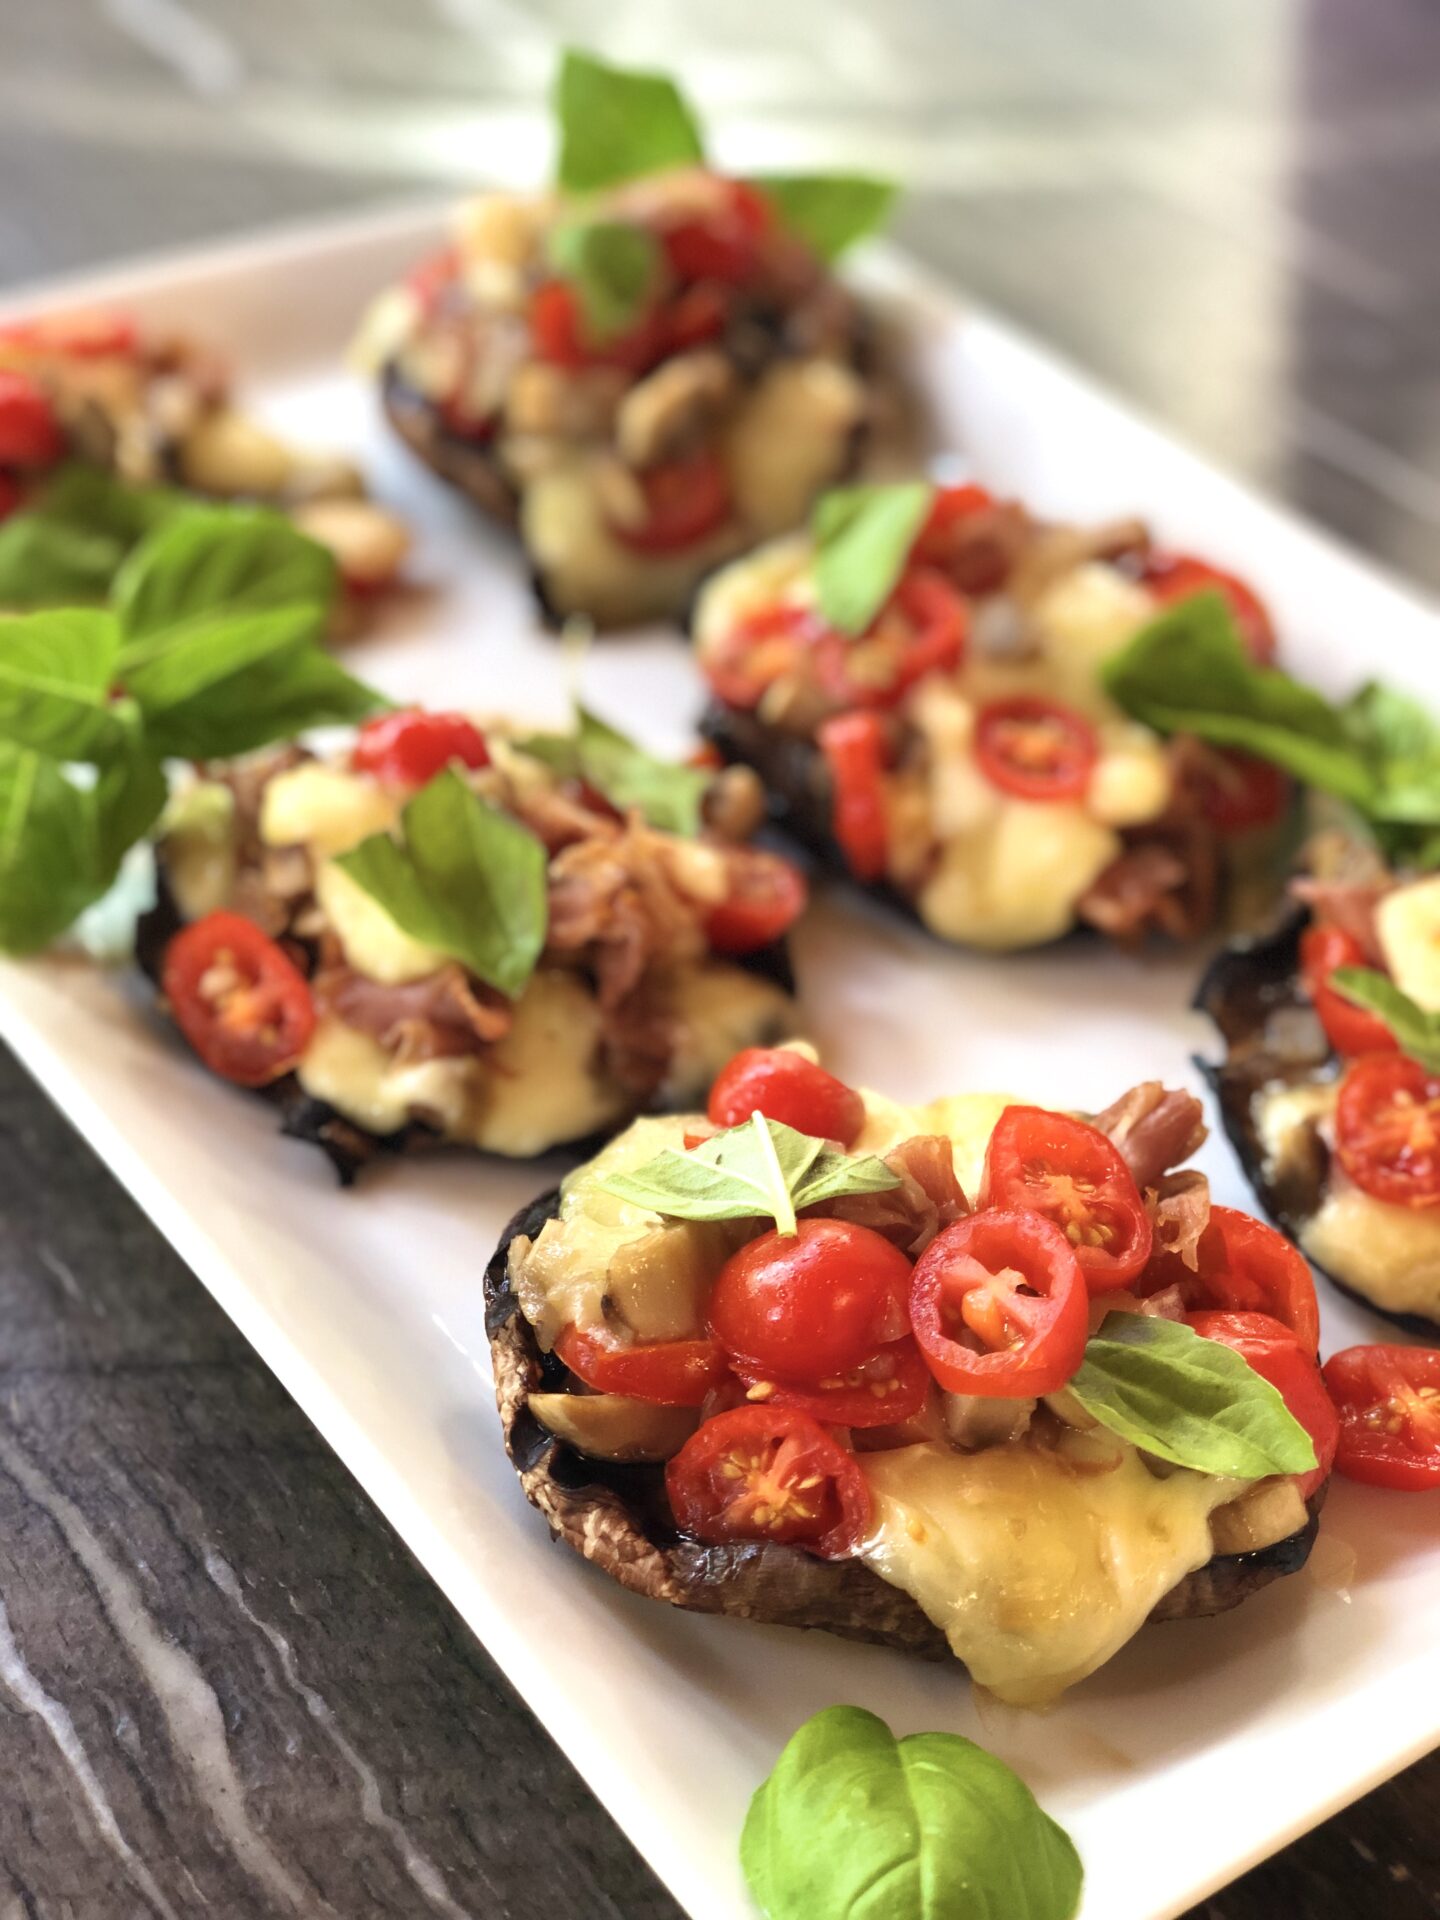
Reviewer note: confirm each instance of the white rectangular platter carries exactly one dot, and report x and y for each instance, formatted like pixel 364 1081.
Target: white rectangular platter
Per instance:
pixel 1205 1745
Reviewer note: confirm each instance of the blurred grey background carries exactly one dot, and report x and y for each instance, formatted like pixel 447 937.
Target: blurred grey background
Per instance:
pixel 1229 209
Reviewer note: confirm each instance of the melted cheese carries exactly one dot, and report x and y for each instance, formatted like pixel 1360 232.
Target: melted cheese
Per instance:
pixel 718 1009
pixel 198 831
pixel 790 440
pixel 372 942
pixel 1016 881
pixel 1037 1565
pixel 968 1118
pixel 325 809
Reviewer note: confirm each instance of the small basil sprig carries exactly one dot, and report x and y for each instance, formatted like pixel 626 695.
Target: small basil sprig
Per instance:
pixel 66 548
pixel 1188 1400
pixel 863 537
pixel 829 212
pixel 613 267
pixel 669 796
pixel 1416 1031
pixel 855 1822
pixel 757 1170
pixel 466 879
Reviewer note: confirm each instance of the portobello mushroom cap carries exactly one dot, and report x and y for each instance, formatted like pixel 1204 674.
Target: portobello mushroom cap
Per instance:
pixel 617 1516
pixel 1253 994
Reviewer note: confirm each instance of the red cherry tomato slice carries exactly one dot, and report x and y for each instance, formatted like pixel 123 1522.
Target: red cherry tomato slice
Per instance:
pixel 724 245
pixel 760 647
pixel 30 434
pixel 238 998
pixel 1387 1130
pixel 1388 1398
pixel 669 1373
pixel 891 1385
pixel 1239 793
pixel 769 1473
pixel 409 749
pixel 787 1087
pixel 1351 1030
pixel 1035 749
pixel 999 1305
pixel 767 895
pixel 1277 1356
pixel 1243 1266
pixel 1179 576
pixel 685 500
pixel 951 508
pixel 1052 1164
pixel 695 316
pixel 922 629
pixel 809 1305
pixel 854 748
pixel 557 327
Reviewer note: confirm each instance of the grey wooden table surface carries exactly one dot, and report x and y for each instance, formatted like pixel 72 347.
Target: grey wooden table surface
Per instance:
pixel 225 1688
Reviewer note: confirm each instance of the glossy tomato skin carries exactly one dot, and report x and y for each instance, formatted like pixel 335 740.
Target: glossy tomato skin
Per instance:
pixel 767 896
pixel 1055 1165
pixel 951 508
pixel 724 245
pixel 558 329
pixel 1035 749
pixel 1270 1347
pixel 685 501
pixel 854 750
pixel 30 435
pixel 892 1384
pixel 408 749
pixel 785 1086
pixel 1387 1130
pixel 769 1473
pixel 1388 1399
pixel 238 998
pixel 978 1332
pixel 1172 577
pixel 922 628
pixel 1240 793
pixel 808 1306
pixel 668 1373
pixel 1351 1030
pixel 1242 1266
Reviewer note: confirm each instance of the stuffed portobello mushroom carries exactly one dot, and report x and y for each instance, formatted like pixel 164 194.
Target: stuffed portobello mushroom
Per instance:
pixel 449 935
pixel 924 1376
pixel 645 370
pixel 929 683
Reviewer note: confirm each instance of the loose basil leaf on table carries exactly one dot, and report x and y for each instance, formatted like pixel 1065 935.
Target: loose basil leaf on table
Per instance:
pixel 829 212
pixel 613 267
pixel 863 537
pixel 617 124
pixel 465 879
pixel 1188 1400
pixel 855 1822
pixel 759 1169
pixel 669 796
pixel 67 546
pixel 1416 1031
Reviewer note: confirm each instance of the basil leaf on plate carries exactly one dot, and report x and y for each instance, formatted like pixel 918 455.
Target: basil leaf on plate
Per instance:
pixel 67 546
pixel 466 878
pixel 829 212
pixel 1188 1400
pixel 1417 1031
pixel 617 124
pixel 757 1170
pixel 613 268
pixel 854 1822
pixel 863 537
pixel 670 796
pixel 56 670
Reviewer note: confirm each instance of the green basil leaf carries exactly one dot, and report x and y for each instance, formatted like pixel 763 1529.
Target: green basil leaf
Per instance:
pixel 55 674
pixel 1416 1030
pixel 66 548
pixel 468 880
pixel 761 1169
pixel 1188 1400
pixel 1401 741
pixel 669 796
pixel 617 124
pixel 829 211
pixel 613 268
pixel 854 1822
pixel 863 537
pixel 274 699
pixel 129 795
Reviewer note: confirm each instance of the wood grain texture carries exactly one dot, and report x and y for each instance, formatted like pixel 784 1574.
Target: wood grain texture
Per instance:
pixel 224 1686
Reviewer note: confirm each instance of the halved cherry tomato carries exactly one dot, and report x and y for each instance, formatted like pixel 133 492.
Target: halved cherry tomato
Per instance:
pixel 30 434
pixel 670 1373
pixel 769 1473
pixel 408 749
pixel 1035 749
pixel 761 646
pixel 891 1385
pixel 684 501
pixel 1388 1399
pixel 806 1306
pixel 854 748
pixel 767 895
pixel 999 1306
pixel 1243 1266
pixel 557 327
pixel 950 508
pixel 696 315
pixel 1277 1356
pixel 725 244
pixel 95 334
pixel 1052 1164
pixel 787 1087
pixel 1387 1129
pixel 921 629
pixel 1179 576
pixel 1351 1030
pixel 12 495
pixel 238 998
pixel 1239 792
